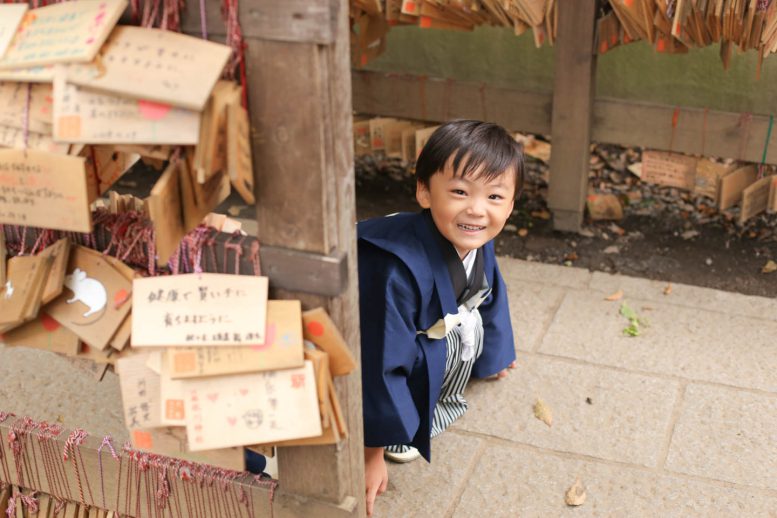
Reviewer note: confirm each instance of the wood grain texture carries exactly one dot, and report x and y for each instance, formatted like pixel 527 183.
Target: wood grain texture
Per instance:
pixel 303 21
pixel 436 99
pixel 573 94
pixel 300 102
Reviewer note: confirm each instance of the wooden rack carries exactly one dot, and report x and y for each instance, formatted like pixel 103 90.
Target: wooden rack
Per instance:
pixel 571 113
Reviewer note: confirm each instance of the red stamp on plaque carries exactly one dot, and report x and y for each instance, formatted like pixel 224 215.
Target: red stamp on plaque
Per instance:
pixel 297 380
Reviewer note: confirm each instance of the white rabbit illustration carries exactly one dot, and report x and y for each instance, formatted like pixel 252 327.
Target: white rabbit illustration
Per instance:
pixel 86 290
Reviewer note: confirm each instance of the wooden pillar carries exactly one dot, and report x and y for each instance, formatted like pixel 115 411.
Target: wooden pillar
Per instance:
pixel 298 65
pixel 300 101
pixel 573 93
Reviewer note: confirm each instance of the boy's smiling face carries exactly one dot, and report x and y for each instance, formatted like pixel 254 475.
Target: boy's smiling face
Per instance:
pixel 469 211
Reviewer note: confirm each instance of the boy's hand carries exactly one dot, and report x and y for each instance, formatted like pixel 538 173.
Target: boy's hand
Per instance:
pixel 503 373
pixel 375 475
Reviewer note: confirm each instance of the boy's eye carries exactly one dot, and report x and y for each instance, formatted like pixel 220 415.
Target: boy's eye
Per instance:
pixel 496 197
pixel 458 192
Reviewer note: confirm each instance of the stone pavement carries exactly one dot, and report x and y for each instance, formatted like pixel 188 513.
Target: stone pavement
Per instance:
pixel 680 421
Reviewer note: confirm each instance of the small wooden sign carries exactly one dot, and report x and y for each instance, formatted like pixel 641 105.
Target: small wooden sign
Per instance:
pixel 772 204
pixel 20 295
pixel 252 408
pixel 104 166
pixel 282 348
pixel 166 212
pixel 96 299
pixel 44 333
pixel 755 198
pixel 239 163
pixel 708 175
pixel 62 32
pixel 199 310
pixel 671 169
pixel 60 255
pixel 98 118
pixel 421 137
pixel 158 65
pixel 733 184
pixel 321 330
pixel 139 392
pixel 10 17
pixel 41 189
pixel 14 108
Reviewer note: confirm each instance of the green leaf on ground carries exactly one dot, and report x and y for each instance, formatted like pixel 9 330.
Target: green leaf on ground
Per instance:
pixel 633 329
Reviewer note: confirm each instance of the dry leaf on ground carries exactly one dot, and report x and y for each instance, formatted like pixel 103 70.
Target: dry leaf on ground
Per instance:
pixel 769 267
pixel 615 296
pixel 543 412
pixel 668 289
pixel 575 495
pixel 523 232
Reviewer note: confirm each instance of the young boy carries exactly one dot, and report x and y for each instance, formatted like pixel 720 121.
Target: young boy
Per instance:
pixel 433 304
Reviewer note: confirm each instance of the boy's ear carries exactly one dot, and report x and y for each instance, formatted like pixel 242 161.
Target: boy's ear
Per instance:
pixel 422 195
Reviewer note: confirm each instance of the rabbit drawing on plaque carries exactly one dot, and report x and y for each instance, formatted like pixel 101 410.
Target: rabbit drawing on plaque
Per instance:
pixel 86 290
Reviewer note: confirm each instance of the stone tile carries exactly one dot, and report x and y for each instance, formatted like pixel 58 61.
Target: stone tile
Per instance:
pixel 687 342
pixel 726 434
pixel 532 306
pixel 515 481
pixel 428 490
pixel 46 387
pixel 545 273
pixel 685 295
pixel 627 419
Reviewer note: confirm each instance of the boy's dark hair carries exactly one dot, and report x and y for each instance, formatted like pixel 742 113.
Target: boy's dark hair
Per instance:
pixel 481 143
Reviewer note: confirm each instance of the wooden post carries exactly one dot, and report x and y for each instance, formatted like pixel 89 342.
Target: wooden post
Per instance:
pixel 573 93
pixel 300 100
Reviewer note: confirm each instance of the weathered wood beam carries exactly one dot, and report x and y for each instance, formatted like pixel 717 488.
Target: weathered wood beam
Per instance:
pixel 574 82
pixel 304 21
pixel 300 99
pixel 435 99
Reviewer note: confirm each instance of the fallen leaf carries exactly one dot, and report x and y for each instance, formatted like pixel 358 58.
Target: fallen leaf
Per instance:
pixel 523 232
pixel 627 312
pixel 575 495
pixel 668 289
pixel 612 249
pixel 769 267
pixel 234 211
pixel 615 296
pixel 633 329
pixel 61 419
pixel 543 412
pixel 571 256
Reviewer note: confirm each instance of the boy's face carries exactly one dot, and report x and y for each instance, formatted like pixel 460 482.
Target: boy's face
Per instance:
pixel 468 211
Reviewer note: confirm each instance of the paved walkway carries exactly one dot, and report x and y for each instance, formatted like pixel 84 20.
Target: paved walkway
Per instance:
pixel 680 421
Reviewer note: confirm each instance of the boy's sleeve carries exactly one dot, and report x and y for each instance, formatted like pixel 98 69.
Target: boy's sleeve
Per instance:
pixel 388 301
pixel 498 343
